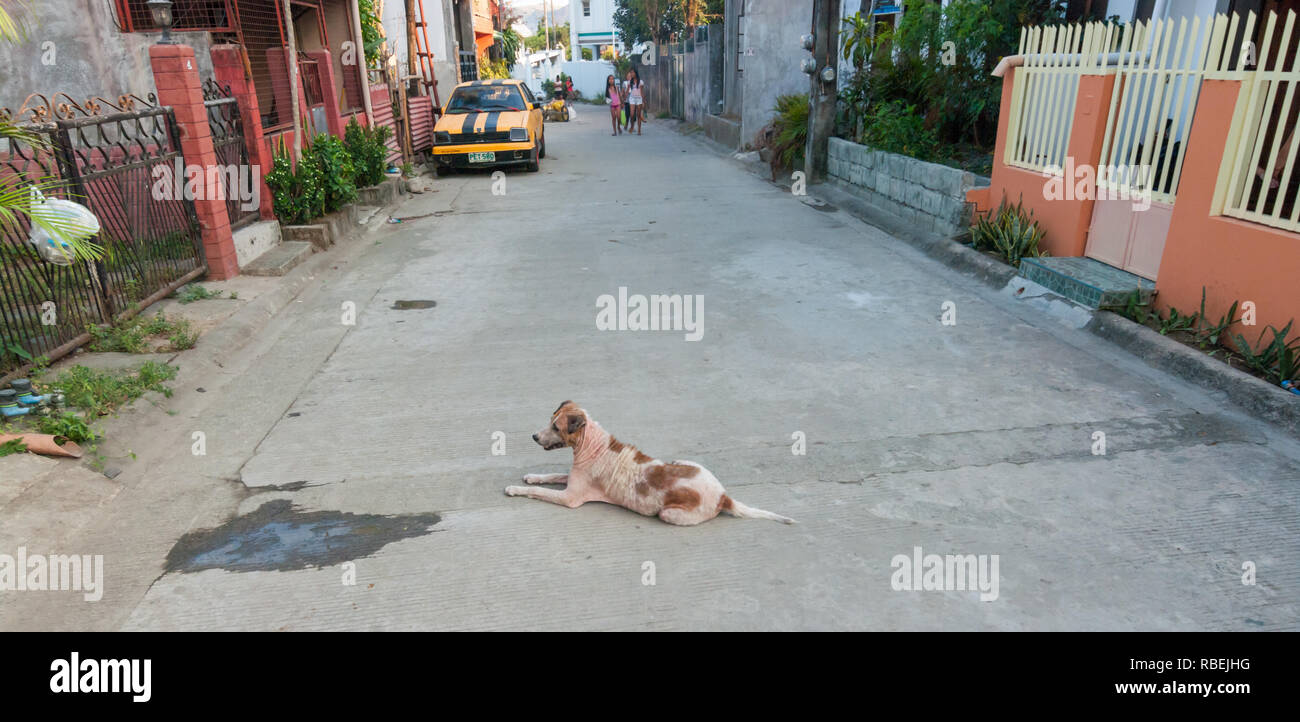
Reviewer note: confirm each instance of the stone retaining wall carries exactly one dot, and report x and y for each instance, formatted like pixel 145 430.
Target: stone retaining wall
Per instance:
pixel 929 196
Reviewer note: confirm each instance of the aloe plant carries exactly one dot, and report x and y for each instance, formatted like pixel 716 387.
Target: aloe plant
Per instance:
pixel 1277 359
pixel 1010 231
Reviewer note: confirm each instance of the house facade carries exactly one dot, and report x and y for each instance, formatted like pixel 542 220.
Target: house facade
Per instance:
pixel 1165 150
pixel 95 59
pixel 591 26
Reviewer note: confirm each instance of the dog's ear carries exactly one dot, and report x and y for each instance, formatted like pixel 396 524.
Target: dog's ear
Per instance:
pixel 562 405
pixel 576 421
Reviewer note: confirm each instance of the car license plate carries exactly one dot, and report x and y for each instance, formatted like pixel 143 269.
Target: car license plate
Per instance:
pixel 482 157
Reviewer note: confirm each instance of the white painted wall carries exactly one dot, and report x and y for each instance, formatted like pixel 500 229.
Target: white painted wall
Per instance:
pixel 588 75
pixel 539 67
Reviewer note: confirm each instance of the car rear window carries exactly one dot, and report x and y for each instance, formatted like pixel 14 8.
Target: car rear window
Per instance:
pixel 478 98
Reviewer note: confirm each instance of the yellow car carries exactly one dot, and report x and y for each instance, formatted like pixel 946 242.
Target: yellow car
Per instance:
pixel 489 123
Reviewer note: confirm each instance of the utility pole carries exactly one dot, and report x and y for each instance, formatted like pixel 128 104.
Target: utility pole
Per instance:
pixel 291 58
pixel 411 67
pixel 823 88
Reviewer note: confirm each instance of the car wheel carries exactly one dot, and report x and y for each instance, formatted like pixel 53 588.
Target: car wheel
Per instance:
pixel 565 115
pixel 535 164
pixel 542 153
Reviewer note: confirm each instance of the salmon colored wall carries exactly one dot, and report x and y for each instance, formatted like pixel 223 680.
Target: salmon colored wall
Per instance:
pixel 1065 222
pixel 1234 260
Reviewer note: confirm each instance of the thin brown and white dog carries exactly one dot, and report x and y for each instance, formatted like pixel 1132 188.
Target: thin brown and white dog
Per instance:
pixel 605 469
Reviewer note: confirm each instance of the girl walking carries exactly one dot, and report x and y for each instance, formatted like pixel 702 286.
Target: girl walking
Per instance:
pixel 635 101
pixel 613 97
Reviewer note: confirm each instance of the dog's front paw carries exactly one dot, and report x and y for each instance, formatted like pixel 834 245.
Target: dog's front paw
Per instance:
pixel 516 490
pixel 534 478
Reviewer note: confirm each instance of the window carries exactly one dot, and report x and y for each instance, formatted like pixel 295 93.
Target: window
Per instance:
pixel 212 15
pixel 586 8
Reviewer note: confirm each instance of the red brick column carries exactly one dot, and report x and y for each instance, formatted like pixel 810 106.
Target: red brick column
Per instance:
pixel 176 76
pixel 329 88
pixel 228 67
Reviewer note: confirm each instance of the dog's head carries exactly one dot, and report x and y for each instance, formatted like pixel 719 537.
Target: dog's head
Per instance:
pixel 565 428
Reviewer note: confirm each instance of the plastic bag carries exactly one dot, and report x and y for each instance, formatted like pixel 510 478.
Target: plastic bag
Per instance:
pixel 71 221
pixel 623 117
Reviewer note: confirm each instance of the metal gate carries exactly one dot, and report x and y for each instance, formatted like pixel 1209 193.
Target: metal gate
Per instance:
pixel 232 151
pixel 122 160
pixel 1160 67
pixel 677 81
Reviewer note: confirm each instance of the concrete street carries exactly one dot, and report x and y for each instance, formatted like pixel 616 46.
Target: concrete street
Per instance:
pixel 368 449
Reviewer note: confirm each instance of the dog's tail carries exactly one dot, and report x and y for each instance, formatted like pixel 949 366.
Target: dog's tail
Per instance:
pixel 730 506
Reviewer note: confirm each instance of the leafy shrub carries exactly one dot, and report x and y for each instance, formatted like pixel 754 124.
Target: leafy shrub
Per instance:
pixel 369 150
pixel 336 170
pixel 791 130
pixel 299 194
pixel 494 69
pixel 897 128
pixel 66 424
pixel 938 61
pixel 323 182
pixel 1009 231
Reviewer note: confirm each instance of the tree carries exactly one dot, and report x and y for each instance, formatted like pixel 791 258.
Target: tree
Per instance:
pixel 509 41
pixel 509 15
pixel 559 35
pixel 372 32
pixel 639 21
pixel 659 20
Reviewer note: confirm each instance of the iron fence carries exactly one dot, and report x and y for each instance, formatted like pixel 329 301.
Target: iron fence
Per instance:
pixel 231 148
pixel 468 66
pixel 123 161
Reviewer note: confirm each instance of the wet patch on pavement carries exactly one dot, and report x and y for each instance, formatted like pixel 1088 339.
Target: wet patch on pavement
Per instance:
pixel 412 305
pixel 278 536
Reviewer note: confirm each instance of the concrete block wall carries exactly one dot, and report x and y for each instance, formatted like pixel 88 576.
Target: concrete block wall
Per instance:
pixel 929 196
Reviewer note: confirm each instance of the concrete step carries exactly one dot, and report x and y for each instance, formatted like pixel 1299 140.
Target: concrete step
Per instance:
pixel 279 260
pixel 1087 281
pixel 255 239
